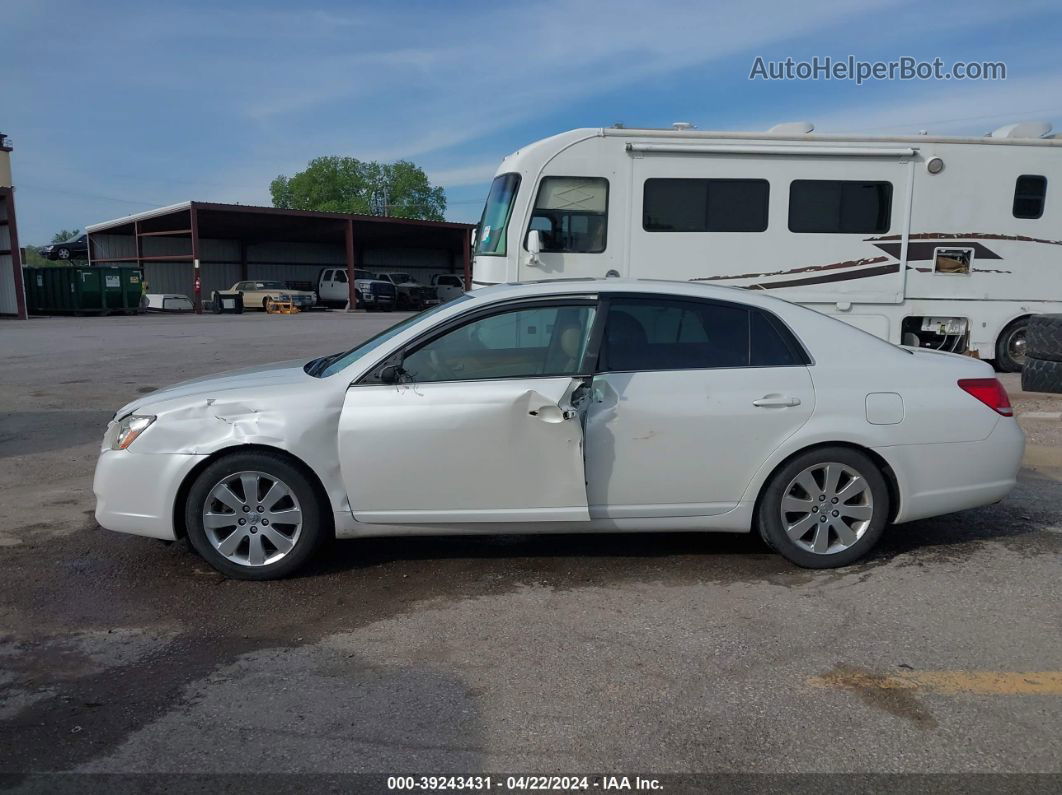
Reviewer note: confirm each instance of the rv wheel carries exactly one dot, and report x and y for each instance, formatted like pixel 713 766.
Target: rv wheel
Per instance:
pixel 1010 347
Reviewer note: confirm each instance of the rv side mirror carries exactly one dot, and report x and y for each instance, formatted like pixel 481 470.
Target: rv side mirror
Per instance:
pixel 534 246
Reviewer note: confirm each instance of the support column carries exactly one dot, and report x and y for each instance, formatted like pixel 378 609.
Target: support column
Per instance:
pixel 198 283
pixel 7 195
pixel 353 298
pixel 466 252
pixel 139 245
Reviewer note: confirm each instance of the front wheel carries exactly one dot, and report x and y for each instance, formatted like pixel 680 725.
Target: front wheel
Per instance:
pixel 254 516
pixel 825 508
pixel 267 304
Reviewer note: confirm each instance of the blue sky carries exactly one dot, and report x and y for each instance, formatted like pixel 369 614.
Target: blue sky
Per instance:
pixel 118 107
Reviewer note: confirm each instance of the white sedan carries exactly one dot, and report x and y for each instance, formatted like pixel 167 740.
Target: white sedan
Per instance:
pixel 577 406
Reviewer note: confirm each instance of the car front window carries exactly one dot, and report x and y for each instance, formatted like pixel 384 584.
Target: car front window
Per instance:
pixel 330 365
pixel 527 342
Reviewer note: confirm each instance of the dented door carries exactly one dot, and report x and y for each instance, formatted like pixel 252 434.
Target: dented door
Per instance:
pixel 505 450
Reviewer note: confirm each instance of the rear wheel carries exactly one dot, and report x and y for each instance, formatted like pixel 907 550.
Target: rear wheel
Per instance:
pixel 253 516
pixel 825 508
pixel 1010 347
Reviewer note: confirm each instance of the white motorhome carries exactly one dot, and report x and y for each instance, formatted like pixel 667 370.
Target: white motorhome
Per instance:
pixel 947 243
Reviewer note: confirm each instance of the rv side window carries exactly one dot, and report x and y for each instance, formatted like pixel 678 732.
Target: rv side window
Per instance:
pixel 705 205
pixel 1029 193
pixel 840 206
pixel 572 214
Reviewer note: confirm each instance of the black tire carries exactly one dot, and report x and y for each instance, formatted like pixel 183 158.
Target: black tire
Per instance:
pixel 215 300
pixel 311 534
pixel 769 518
pixel 1010 347
pixel 62 253
pixel 1043 338
pixel 265 303
pixel 1040 375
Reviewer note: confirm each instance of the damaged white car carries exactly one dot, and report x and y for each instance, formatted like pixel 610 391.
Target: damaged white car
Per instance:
pixel 576 406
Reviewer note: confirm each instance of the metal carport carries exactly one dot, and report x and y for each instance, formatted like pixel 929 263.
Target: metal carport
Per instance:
pixel 196 247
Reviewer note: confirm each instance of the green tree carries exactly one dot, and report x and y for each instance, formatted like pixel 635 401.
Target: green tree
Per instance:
pixel 65 234
pixel 348 185
pixel 35 260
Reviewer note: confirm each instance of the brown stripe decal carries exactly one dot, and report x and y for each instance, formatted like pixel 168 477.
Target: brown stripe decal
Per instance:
pixel 862 273
pixel 852 263
pixel 968 236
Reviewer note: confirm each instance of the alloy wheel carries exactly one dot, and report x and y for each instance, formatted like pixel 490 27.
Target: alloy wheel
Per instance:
pixel 827 508
pixel 252 518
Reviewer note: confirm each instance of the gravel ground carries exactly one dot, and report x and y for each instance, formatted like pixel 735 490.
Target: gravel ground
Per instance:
pixel 674 653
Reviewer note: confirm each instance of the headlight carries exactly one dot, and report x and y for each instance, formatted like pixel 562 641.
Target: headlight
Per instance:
pixel 129 428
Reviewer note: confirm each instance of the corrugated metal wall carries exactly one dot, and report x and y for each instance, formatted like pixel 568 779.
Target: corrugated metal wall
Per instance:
pixel 8 296
pixel 220 261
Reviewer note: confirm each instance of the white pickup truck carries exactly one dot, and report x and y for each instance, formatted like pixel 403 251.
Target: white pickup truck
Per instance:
pixel 370 293
pixel 448 286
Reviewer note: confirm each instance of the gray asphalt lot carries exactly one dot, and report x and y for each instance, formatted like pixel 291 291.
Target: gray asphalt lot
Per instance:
pixel 611 653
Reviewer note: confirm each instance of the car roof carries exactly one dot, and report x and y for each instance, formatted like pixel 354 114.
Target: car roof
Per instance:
pixel 577 286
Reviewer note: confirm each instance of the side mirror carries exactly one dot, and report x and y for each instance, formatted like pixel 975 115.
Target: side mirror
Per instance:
pixel 391 374
pixel 534 245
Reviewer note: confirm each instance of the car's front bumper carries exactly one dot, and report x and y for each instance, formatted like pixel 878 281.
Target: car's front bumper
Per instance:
pixel 135 493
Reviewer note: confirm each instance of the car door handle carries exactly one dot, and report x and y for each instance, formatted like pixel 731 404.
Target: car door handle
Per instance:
pixel 553 414
pixel 776 401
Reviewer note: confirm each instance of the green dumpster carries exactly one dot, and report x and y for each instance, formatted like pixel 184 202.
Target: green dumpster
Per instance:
pixel 82 291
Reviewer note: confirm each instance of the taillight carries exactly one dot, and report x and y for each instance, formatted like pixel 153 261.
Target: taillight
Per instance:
pixel 990 392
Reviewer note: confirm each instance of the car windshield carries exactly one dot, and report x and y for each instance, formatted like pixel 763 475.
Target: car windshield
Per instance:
pixel 490 239
pixel 268 286
pixel 364 275
pixel 330 365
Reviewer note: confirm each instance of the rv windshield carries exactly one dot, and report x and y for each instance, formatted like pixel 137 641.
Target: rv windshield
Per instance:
pixel 492 226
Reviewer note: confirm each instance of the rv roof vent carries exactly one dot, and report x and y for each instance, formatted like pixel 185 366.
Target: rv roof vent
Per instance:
pixel 792 128
pixel 682 125
pixel 1023 129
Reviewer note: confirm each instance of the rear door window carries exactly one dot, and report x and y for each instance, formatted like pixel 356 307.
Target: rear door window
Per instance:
pixel 644 334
